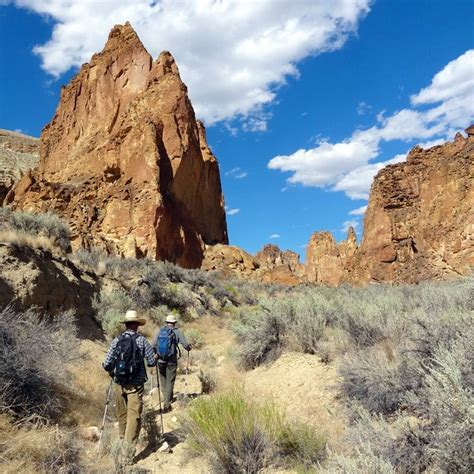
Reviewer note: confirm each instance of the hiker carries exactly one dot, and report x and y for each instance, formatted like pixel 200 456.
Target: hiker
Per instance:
pixel 166 345
pixel 124 362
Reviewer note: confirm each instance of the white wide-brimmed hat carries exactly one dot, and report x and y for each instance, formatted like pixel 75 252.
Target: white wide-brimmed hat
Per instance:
pixel 132 317
pixel 171 318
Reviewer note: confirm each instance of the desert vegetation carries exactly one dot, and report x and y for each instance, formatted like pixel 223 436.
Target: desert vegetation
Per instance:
pixel 404 355
pixel 406 360
pixel 241 435
pixel 42 231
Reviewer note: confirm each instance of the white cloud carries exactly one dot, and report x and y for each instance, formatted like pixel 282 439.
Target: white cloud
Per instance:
pixel 232 212
pixel 360 211
pixel 350 223
pixel 356 184
pixel 274 236
pixel 236 173
pixel 346 166
pixel 455 79
pixel 232 54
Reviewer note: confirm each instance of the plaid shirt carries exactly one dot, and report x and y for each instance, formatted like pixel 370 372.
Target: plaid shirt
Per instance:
pixel 146 351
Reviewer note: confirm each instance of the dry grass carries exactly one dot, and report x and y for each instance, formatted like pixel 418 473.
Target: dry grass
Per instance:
pixel 89 384
pixel 21 239
pixel 38 449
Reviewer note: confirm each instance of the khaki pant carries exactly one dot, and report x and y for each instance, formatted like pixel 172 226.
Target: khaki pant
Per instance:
pixel 167 372
pixel 129 404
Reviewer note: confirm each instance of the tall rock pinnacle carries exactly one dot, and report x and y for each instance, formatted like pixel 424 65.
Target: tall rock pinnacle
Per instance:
pixel 125 161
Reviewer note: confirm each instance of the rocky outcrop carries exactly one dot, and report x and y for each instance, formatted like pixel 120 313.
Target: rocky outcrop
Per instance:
pixel 228 260
pixel 277 266
pixel 125 161
pixel 419 224
pixel 328 262
pixel 34 278
pixel 18 153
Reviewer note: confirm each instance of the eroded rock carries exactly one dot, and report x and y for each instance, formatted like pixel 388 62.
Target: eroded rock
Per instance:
pixel 125 161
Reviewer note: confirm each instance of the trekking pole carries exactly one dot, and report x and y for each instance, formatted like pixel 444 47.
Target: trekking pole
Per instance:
pixel 159 400
pixel 186 375
pixel 109 391
pixel 151 380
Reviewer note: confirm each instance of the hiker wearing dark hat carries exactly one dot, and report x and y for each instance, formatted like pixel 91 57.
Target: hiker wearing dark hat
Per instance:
pixel 125 363
pixel 166 345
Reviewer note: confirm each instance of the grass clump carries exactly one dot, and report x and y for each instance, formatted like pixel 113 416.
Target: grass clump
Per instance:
pixel 38 448
pixel 241 436
pixel 46 231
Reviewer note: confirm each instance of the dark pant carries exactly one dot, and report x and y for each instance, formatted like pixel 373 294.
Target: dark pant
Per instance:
pixel 167 371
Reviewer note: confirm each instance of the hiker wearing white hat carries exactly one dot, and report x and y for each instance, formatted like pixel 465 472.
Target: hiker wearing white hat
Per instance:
pixel 166 344
pixel 125 363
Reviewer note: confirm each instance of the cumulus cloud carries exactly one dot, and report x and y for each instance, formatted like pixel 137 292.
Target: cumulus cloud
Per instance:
pixel 232 54
pixel 456 79
pixel 346 166
pixel 274 236
pixel 360 211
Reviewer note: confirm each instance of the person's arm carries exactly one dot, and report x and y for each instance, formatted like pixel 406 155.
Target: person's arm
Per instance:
pixel 155 340
pixel 149 353
pixel 109 358
pixel 182 340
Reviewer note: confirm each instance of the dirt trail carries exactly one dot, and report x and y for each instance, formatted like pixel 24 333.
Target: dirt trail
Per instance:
pixel 299 383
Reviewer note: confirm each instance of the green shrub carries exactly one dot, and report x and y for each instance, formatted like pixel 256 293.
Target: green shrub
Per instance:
pixel 242 436
pixel 195 338
pixel 260 334
pixel 110 308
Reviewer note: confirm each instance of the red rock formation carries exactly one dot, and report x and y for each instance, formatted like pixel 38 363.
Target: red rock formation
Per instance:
pixel 276 266
pixel 229 259
pixel 328 262
pixel 18 153
pixel 419 223
pixel 125 161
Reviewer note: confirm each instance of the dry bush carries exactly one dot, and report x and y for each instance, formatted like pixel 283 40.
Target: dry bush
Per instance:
pixel 194 337
pixel 407 356
pixel 260 333
pixel 38 448
pixel 33 357
pixel 45 231
pixel 208 381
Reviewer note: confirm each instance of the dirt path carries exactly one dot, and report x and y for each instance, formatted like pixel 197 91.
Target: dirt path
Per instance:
pixel 298 383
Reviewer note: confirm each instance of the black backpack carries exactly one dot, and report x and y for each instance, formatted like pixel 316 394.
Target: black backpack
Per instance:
pixel 128 359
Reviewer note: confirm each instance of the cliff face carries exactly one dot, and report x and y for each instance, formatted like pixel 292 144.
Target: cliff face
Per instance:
pixel 419 223
pixel 125 161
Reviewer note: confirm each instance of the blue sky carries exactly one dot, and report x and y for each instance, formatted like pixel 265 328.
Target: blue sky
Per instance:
pixel 303 101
